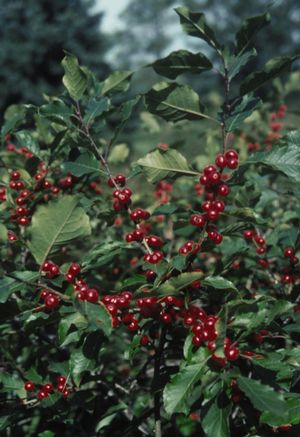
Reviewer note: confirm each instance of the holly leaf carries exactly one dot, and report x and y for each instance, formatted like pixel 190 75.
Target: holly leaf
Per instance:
pixel 118 81
pixel 56 224
pixel 216 421
pixel 174 102
pixel 263 397
pixel 177 393
pixel 249 30
pixel 181 61
pixel 241 111
pixel 74 79
pixel 219 283
pixel 194 24
pixel 173 285
pixel 273 68
pixel 86 163
pixel 159 165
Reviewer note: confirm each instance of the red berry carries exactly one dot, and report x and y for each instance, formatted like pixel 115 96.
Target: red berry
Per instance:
pixel 214 177
pixel 197 220
pixel 92 295
pixel 231 154
pixel 259 240
pixel 23 221
pixel 264 263
pixel 261 250
pixel 223 190
pixel 248 234
pixel 232 353
pixel 74 269
pixel 232 163
pixel 197 340
pixel 144 341
pixel 294 260
pixel 42 394
pixel 29 386
pixel 48 388
pixel 15 175
pixel 61 380
pixel 221 161
pixel 288 252
pixel 51 301
pixel 165 317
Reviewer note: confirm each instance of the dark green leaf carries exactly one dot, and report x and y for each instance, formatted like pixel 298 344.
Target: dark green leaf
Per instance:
pixel 174 102
pixel 86 163
pixel 9 285
pixel 249 30
pixel 263 397
pixel 235 63
pixel 177 393
pixel 180 62
pixel 95 108
pixel 240 112
pixel 194 24
pixel 273 68
pixel 173 285
pixel 216 421
pixel 26 139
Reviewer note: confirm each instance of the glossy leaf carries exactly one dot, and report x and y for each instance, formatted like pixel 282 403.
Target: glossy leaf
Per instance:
pixel 249 30
pixel 177 392
pixel 174 102
pixel 219 283
pixel 194 24
pixel 159 165
pixel 116 82
pixel 236 63
pixel 86 163
pixel 263 397
pixel 240 112
pixel 74 79
pixel 181 62
pixel 15 282
pixel 179 282
pixel 216 421
pixel 26 139
pixel 55 224
pixel 273 68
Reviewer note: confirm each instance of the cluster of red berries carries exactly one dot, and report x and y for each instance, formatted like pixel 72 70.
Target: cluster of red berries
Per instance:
pixel 73 272
pixel 287 276
pixel 46 389
pixel 260 243
pixel 190 247
pixel 3 197
pixel 163 192
pixel 51 300
pixel 50 269
pixel 86 293
pixel 212 180
pixel 94 185
pixel 10 147
pixel 275 126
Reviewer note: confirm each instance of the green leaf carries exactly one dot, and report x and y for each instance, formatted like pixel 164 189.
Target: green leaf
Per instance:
pixel 249 30
pixel 263 397
pixel 194 24
pixel 173 285
pixel 273 68
pixel 124 113
pixel 177 392
pixel 159 165
pixel 181 61
pixel 118 154
pixel 103 254
pixel 219 283
pixel 26 139
pixel 86 163
pixel 118 81
pixel 285 159
pixel 75 319
pixel 95 108
pixel 3 233
pixel 216 421
pixel 78 365
pixel 241 111
pixel 56 223
pixel 98 317
pixel 74 79
pixel 174 102
pixel 14 282
pixel 235 63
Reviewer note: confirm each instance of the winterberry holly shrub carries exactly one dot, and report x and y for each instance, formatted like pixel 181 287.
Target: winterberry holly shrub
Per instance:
pixel 161 296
